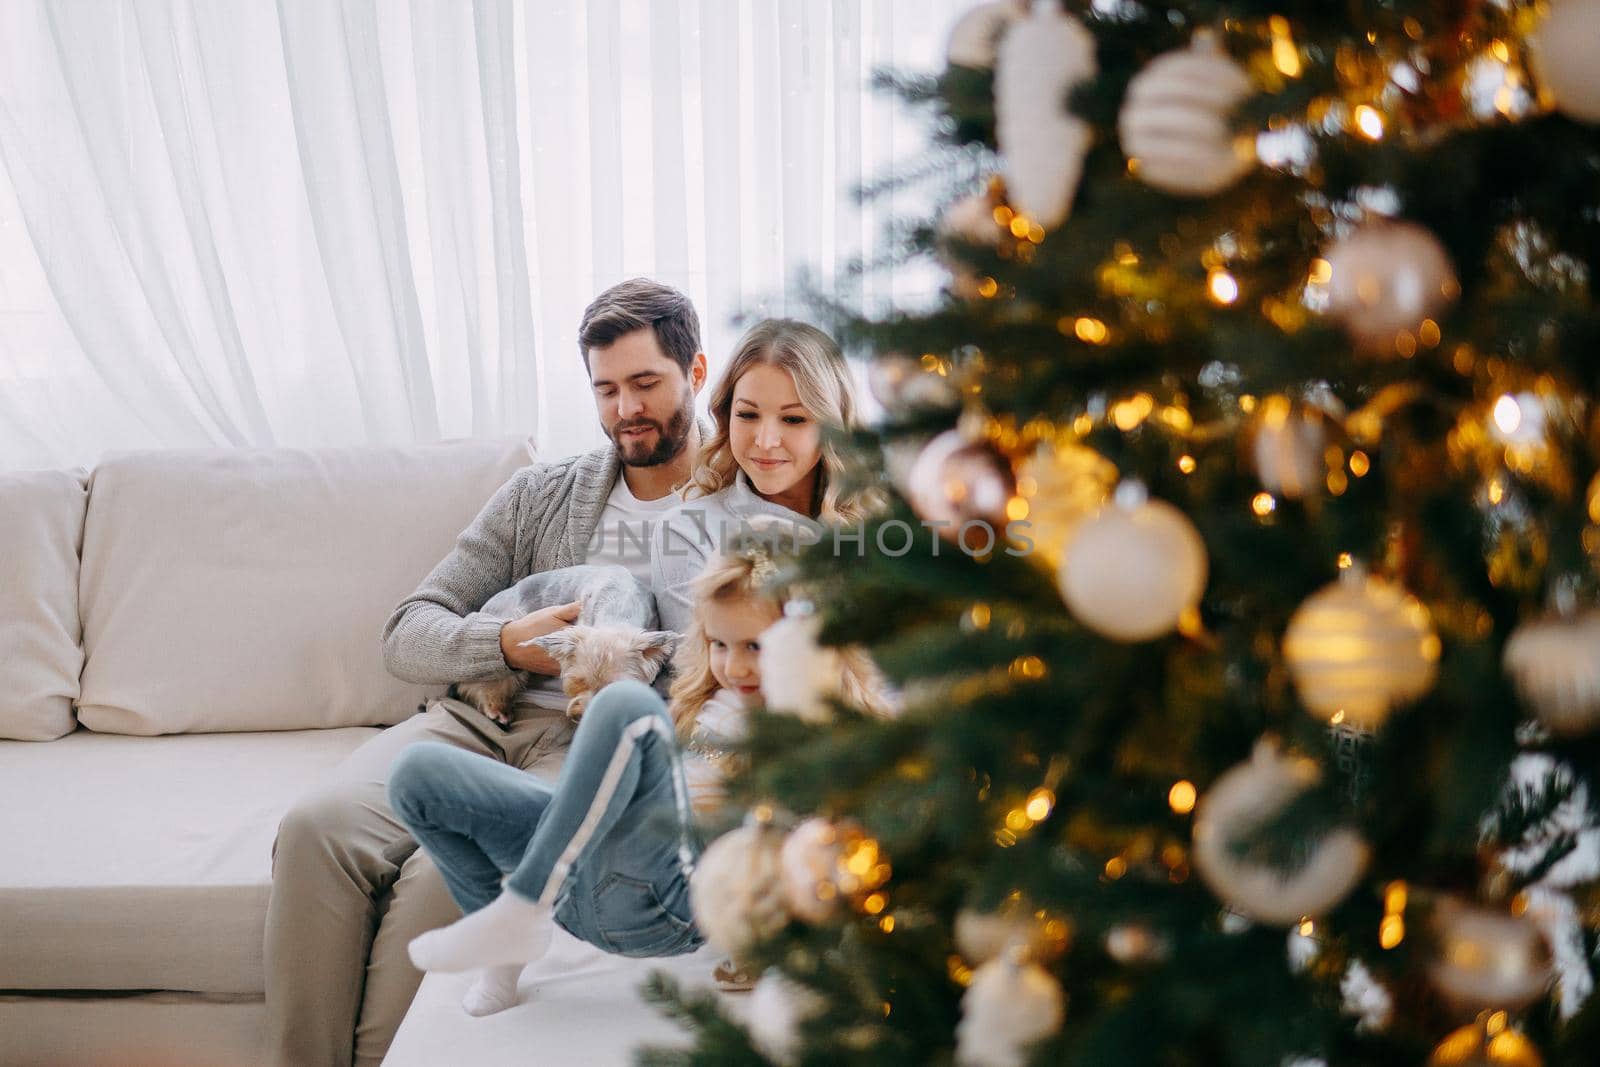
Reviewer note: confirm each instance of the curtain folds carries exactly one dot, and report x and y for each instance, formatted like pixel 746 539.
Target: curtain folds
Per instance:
pixel 314 222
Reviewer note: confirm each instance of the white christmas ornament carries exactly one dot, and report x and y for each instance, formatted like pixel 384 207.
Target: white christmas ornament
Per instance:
pixel 1488 959
pixel 1042 57
pixel 1243 799
pixel 1555 663
pixel 1287 448
pixel 778 1005
pixel 1133 943
pixel 1130 572
pixel 982 936
pixel 1359 647
pixel 797 674
pixel 1387 277
pixel 1563 50
pixel 736 891
pixel 901 383
pixel 1175 121
pixel 810 858
pixel 1007 1008
pixel 976 34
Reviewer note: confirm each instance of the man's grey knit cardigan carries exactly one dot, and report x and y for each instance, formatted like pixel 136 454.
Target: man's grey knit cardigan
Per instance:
pixel 541 519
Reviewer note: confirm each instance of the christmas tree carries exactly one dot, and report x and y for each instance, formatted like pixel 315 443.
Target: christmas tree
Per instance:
pixel 1240 580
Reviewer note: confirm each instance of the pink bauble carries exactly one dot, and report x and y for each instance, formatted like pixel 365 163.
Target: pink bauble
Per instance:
pixel 1386 278
pixel 1563 50
pixel 955 481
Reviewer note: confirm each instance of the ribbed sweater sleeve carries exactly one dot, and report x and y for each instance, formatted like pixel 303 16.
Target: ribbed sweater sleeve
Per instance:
pixel 539 520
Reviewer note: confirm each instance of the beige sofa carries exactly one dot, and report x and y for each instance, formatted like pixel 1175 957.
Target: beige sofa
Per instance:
pixel 187 641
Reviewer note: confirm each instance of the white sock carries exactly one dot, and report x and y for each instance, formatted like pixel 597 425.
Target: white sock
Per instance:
pixel 495 990
pixel 509 930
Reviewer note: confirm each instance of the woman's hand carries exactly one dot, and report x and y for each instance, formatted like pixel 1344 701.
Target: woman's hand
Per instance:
pixel 516 633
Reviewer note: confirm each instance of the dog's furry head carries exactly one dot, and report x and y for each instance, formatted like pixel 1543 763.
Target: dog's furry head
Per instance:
pixel 592 657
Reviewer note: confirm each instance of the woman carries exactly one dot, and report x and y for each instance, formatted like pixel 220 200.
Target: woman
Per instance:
pixel 766 457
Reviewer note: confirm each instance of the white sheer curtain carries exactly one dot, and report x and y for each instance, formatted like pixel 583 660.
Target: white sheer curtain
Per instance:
pixel 343 221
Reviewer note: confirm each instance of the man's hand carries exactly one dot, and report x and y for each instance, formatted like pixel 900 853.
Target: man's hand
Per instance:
pixel 535 624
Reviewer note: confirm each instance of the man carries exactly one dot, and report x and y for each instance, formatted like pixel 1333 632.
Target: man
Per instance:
pixel 338 982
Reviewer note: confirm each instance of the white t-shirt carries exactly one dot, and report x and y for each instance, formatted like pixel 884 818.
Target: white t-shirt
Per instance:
pixel 696 530
pixel 623 537
pixel 626 530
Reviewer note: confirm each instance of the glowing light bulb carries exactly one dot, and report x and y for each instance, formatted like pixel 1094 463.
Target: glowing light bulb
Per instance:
pixel 1507 415
pixel 1284 54
pixel 1518 419
pixel 1222 286
pixel 1091 330
pixel 1369 121
pixel 1040 802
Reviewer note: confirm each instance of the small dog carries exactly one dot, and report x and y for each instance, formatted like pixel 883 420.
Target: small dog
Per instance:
pixel 613 638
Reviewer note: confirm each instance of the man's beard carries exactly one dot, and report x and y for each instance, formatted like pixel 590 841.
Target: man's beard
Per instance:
pixel 670 438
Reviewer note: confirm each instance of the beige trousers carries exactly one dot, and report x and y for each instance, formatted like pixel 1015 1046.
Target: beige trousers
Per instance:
pixel 350 889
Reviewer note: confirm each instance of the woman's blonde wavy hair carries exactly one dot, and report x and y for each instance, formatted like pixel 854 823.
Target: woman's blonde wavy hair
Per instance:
pixel 822 380
pixel 742 576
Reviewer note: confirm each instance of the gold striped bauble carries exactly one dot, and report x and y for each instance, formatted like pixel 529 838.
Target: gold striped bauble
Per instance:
pixel 1176 123
pixel 1359 647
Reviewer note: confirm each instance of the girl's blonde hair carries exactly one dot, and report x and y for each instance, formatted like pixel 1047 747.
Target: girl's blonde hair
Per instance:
pixel 822 380
pixel 741 575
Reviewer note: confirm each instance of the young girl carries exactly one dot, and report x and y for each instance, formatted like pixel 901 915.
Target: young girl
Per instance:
pixel 608 852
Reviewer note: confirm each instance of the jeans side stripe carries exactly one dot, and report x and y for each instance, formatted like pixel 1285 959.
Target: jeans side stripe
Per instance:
pixel 603 796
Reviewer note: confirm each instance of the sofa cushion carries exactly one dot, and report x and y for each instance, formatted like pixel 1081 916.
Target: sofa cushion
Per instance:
pixel 145 863
pixel 578 1004
pixel 247 590
pixel 41 531
pixel 123 1029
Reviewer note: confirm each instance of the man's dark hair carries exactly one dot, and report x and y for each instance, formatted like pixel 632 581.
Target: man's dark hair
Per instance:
pixel 634 305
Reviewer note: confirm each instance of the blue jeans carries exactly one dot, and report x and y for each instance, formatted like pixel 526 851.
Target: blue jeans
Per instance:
pixel 609 849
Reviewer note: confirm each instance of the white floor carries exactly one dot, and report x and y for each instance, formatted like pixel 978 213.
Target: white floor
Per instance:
pixel 579 1007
